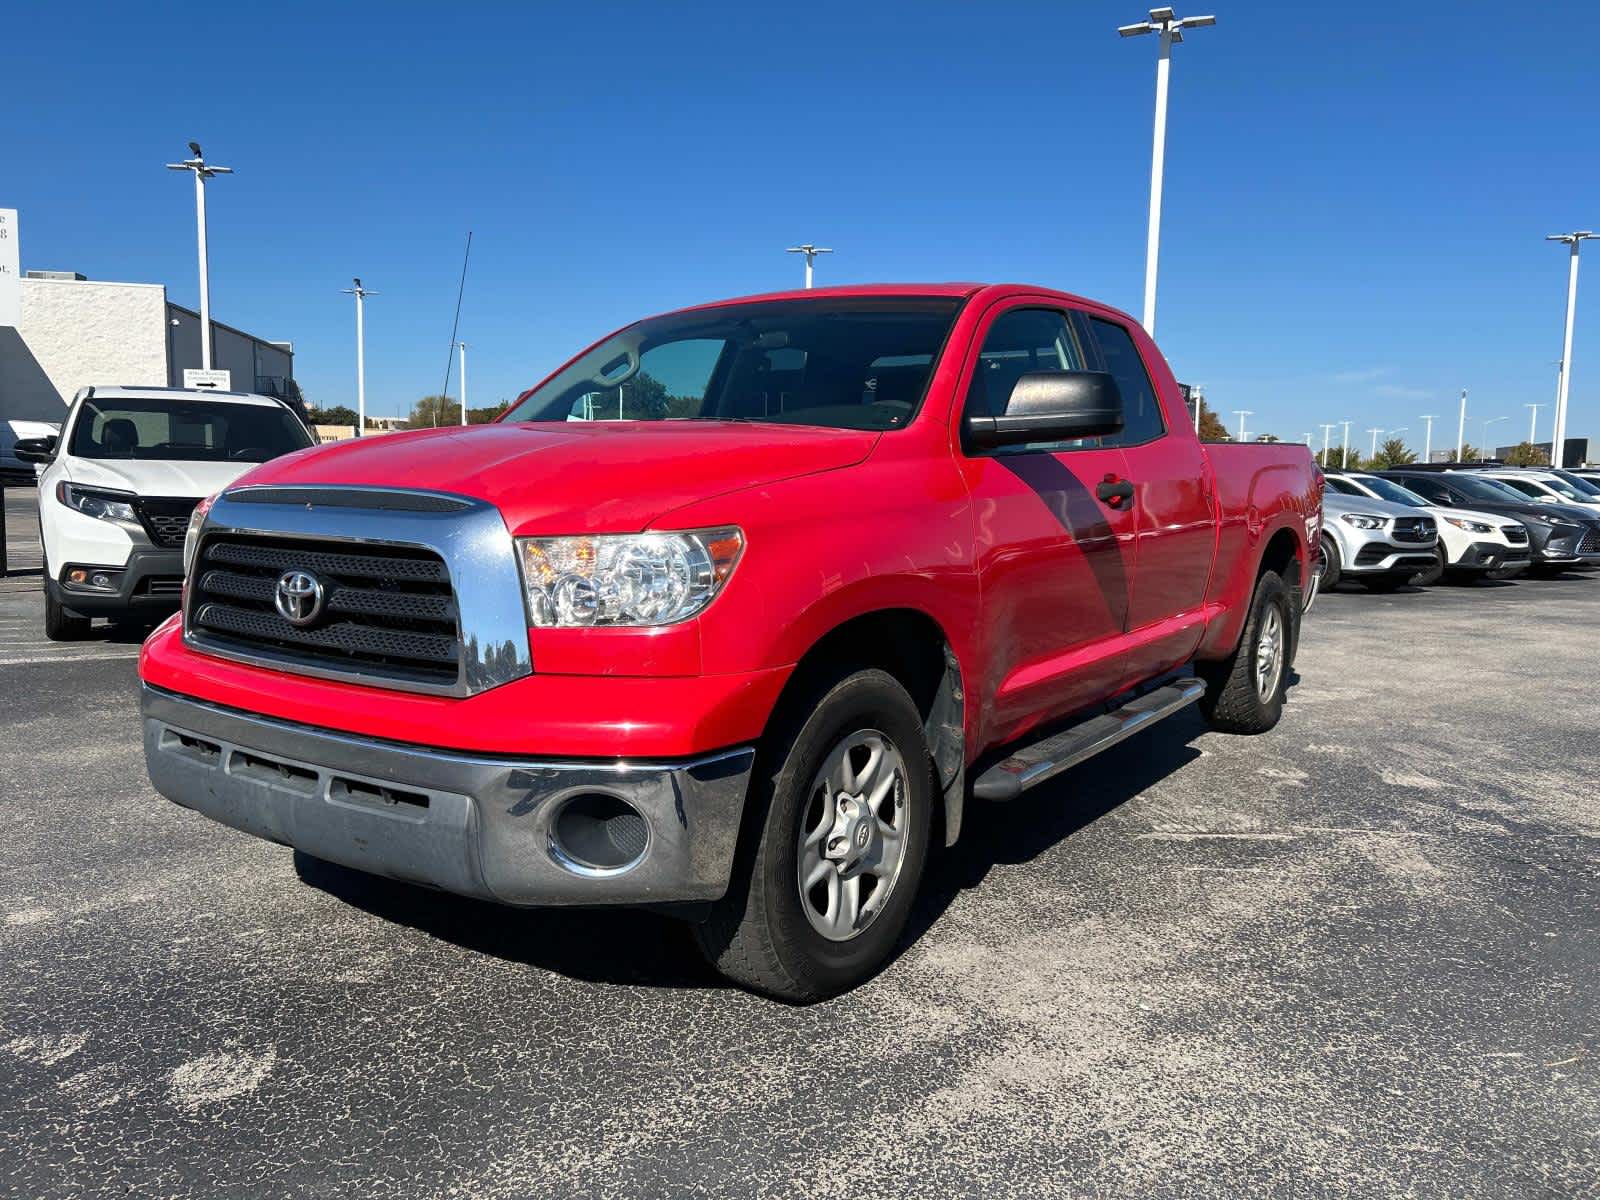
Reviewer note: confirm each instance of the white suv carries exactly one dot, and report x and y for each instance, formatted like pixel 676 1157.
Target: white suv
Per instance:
pixel 1543 487
pixel 120 483
pixel 1470 543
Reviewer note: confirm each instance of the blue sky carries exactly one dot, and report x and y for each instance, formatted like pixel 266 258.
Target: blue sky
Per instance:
pixel 1354 211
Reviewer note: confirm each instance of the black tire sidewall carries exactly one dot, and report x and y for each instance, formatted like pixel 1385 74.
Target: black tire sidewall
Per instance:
pixel 1272 591
pixel 1332 571
pixel 867 699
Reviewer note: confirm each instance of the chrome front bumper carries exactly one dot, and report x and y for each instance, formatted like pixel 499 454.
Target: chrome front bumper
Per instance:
pixel 483 827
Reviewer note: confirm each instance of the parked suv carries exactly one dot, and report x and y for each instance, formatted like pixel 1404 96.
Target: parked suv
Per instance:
pixel 120 482
pixel 1562 536
pixel 848 556
pixel 1544 487
pixel 1470 543
pixel 1378 542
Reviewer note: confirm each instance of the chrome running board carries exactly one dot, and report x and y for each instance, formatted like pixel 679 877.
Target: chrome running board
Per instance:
pixel 1045 759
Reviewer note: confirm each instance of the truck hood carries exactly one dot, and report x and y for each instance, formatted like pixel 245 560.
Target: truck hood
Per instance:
pixel 579 477
pixel 155 478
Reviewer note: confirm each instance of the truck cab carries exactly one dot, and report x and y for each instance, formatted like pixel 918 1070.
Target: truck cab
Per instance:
pixel 733 613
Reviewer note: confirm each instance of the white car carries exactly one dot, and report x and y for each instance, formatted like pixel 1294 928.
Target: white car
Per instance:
pixel 120 483
pixel 1470 543
pixel 1544 487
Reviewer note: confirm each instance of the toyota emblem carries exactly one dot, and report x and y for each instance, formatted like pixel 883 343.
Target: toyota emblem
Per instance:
pixel 299 597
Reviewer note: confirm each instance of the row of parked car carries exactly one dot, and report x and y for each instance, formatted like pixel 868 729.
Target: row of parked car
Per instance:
pixel 1421 523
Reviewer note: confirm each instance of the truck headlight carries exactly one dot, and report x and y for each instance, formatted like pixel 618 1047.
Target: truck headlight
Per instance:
pixel 1470 526
pixel 625 579
pixel 191 535
pixel 93 502
pixel 1362 520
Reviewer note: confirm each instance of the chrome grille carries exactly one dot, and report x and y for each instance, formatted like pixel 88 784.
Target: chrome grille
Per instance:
pixel 1414 529
pixel 387 611
pixel 165 520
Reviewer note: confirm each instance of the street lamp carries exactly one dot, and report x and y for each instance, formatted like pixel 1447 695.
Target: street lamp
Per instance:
pixel 360 293
pixel 1242 413
pixel 1557 443
pixel 1346 450
pixel 1483 453
pixel 1461 427
pixel 1375 431
pixel 202 172
pixel 811 253
pixel 1171 29
pixel 1533 422
pixel 1327 428
pixel 462 346
pixel 1427 445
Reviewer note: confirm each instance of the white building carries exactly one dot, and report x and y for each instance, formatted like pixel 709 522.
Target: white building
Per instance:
pixel 75 332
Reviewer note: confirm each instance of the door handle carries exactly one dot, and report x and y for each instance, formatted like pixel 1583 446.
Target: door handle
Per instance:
pixel 1114 491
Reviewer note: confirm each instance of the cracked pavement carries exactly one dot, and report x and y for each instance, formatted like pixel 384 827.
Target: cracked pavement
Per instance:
pixel 1357 956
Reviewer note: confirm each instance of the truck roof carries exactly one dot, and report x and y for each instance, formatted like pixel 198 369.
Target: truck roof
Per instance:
pixel 956 289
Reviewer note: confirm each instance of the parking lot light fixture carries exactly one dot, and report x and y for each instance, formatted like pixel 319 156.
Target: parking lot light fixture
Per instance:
pixel 360 293
pixel 1533 422
pixel 1327 430
pixel 1574 240
pixel 1242 413
pixel 202 171
pixel 811 253
pixel 1345 450
pixel 1170 26
pixel 462 346
pixel 1375 431
pixel 1427 442
pixel 1483 454
pixel 1461 427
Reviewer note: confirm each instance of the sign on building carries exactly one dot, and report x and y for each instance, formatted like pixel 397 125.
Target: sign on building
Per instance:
pixel 221 381
pixel 10 270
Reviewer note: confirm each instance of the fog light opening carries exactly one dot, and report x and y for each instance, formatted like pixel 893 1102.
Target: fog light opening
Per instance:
pixel 596 833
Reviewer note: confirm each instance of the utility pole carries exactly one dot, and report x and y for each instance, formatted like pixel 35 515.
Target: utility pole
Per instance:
pixel 1533 422
pixel 1461 428
pixel 1427 445
pixel 1327 430
pixel 811 253
pixel 1170 27
pixel 1242 413
pixel 1558 442
pixel 360 293
pixel 202 172
pixel 462 346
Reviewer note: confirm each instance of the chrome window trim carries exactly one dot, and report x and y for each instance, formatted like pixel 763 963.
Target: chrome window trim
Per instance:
pixel 473 541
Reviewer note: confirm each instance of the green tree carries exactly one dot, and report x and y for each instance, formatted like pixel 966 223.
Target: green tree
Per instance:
pixel 1338 459
pixel 483 416
pixel 1211 428
pixel 434 410
pixel 339 414
pixel 1526 454
pixel 1393 453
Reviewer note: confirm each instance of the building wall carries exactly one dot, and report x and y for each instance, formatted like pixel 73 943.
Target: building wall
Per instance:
pixel 75 333
pixel 246 358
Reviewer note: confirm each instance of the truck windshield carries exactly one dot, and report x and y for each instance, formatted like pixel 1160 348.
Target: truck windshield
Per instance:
pixel 844 363
pixel 150 428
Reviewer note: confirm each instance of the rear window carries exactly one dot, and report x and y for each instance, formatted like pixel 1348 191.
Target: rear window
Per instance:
pixel 185 430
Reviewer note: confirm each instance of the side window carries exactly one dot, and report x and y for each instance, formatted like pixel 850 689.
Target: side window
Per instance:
pixel 1141 410
pixel 1429 489
pixel 1343 486
pixel 1020 341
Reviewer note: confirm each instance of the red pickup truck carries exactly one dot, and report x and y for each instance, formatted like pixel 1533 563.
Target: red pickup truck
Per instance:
pixel 732 614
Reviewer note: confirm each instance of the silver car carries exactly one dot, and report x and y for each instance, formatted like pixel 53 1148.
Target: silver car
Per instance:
pixel 1380 543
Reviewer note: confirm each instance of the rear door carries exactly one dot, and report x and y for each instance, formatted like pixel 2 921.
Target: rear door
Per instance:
pixel 1055 558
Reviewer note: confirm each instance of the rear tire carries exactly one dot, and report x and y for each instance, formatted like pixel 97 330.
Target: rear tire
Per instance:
pixel 1330 564
pixel 1244 692
pixel 770 935
pixel 61 625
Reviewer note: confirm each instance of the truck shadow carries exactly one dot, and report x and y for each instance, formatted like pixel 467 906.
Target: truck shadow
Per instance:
pixel 632 947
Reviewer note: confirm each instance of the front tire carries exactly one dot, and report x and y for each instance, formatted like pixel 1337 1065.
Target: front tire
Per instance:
pixel 61 625
pixel 1330 564
pixel 837 837
pixel 1244 692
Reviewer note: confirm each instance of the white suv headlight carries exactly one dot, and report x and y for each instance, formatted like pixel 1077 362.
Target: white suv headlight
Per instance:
pixel 1362 520
pixel 1470 526
pixel 625 579
pixel 96 502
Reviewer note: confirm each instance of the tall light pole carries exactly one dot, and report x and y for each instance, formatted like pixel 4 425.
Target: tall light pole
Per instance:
pixel 1558 442
pixel 1533 422
pixel 811 253
pixel 1461 428
pixel 462 346
pixel 1427 445
pixel 1326 430
pixel 1346 450
pixel 360 293
pixel 1170 27
pixel 1242 413
pixel 1375 431
pixel 202 172
pixel 1483 452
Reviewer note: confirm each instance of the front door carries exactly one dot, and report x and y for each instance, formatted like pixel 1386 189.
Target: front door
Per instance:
pixel 1055 559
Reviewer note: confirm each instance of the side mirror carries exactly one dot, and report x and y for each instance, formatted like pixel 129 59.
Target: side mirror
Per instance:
pixel 1052 406
pixel 35 450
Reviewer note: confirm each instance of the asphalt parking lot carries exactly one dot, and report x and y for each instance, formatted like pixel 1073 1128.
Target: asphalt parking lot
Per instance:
pixel 1357 956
